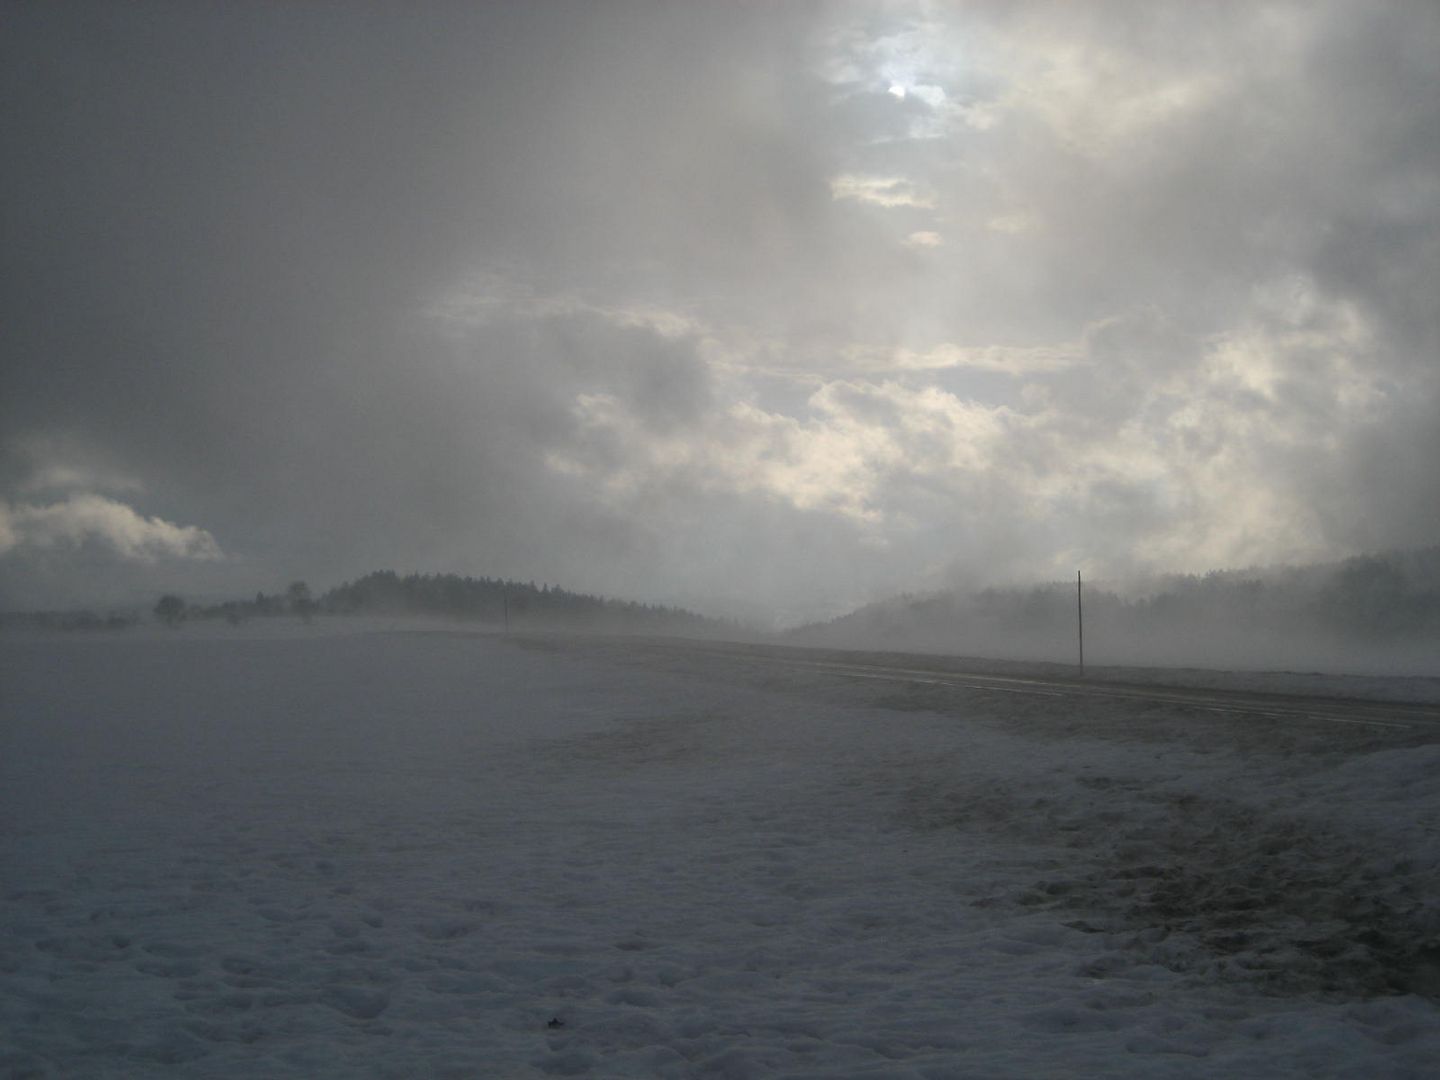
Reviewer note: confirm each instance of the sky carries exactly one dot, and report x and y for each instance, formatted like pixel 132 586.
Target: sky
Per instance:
pixel 765 309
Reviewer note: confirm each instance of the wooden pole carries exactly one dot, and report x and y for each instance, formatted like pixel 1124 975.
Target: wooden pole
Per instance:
pixel 1080 618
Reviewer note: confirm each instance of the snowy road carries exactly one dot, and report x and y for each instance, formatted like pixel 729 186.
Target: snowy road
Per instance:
pixel 319 853
pixel 1282 697
pixel 1271 706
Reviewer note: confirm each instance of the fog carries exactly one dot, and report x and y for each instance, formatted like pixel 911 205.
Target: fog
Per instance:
pixel 764 310
pixel 1373 615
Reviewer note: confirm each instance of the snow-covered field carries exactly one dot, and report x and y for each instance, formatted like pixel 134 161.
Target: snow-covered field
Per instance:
pixel 227 853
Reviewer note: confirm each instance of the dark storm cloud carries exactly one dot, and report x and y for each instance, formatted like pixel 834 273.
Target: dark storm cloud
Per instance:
pixel 224 215
pixel 783 304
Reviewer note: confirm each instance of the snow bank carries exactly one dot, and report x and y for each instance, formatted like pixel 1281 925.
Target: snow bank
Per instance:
pixel 446 855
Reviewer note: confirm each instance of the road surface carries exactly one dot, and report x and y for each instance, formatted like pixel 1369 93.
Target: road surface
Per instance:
pixel 921 670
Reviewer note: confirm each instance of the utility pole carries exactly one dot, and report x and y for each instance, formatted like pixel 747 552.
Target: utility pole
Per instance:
pixel 505 602
pixel 1080 619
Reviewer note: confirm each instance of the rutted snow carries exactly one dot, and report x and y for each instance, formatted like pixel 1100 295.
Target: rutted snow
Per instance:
pixel 442 855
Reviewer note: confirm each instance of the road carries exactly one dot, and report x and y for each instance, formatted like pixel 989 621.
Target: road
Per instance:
pixel 962 674
pixel 1273 706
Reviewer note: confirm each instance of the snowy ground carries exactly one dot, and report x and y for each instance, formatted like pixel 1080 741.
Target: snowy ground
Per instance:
pixel 225 853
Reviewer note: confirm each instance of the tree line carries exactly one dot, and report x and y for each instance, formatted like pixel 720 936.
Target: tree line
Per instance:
pixel 1374 600
pixel 497 601
pixel 490 600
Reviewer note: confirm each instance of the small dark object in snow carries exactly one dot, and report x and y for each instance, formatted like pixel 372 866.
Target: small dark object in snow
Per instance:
pixel 555 1022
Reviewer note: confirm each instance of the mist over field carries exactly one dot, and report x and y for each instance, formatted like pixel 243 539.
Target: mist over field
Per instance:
pixel 1371 614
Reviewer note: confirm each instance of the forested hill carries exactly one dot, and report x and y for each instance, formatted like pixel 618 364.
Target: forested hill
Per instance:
pixel 523 604
pixel 1373 612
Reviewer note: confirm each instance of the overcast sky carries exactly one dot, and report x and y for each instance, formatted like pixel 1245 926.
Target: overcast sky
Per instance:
pixel 763 307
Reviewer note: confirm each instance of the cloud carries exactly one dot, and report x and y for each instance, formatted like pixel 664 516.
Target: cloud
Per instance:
pixel 884 191
pixel 1014 223
pixel 685 300
pixel 1199 454
pixel 489 297
pixel 82 519
pixel 844 457
pixel 38 463
pixel 1013 360
pixel 1102 100
pixel 72 477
